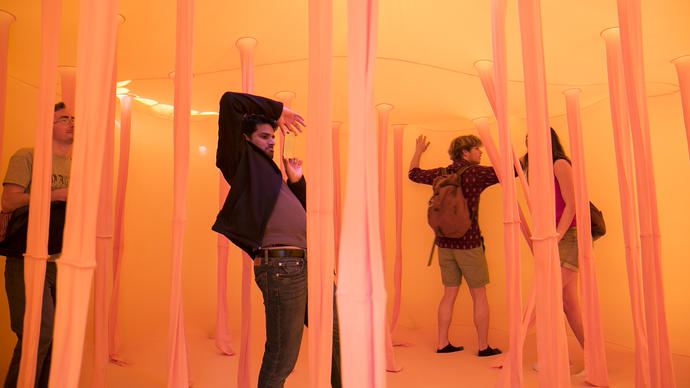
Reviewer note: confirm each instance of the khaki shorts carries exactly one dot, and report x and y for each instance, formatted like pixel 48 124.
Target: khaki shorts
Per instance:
pixel 567 249
pixel 468 263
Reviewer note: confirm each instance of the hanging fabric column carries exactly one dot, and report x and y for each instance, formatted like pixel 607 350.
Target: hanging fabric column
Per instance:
pixel 178 361
pixel 39 202
pixel 682 65
pixel 626 189
pixel 320 232
pixel 497 93
pixel 118 229
pixel 595 356
pixel 398 130
pixel 95 63
pixel 337 203
pixel 6 19
pixel 661 365
pixel 382 114
pixel 68 81
pixel 104 240
pixel 361 293
pixel 246 47
pixel 286 98
pixel 551 340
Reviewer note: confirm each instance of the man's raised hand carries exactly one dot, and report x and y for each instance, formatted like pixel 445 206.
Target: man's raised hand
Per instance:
pixel 290 121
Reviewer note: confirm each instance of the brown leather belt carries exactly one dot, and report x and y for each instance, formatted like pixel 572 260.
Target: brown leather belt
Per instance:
pixel 263 256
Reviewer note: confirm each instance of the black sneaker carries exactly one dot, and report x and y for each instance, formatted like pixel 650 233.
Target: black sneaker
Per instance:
pixel 489 351
pixel 450 349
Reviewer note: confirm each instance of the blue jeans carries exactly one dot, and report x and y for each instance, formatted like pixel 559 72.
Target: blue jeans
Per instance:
pixel 283 284
pixel 14 285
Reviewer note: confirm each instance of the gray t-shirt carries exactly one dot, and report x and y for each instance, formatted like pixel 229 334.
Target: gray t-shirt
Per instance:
pixel 287 224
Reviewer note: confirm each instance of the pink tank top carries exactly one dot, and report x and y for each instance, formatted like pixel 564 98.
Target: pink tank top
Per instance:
pixel 560 204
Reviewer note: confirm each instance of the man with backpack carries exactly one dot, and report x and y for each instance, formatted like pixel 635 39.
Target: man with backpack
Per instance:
pixel 460 249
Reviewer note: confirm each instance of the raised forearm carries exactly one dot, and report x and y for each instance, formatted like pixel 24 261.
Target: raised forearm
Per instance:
pixel 414 163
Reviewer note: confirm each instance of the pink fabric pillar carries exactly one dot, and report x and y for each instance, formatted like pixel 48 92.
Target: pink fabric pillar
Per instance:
pixel 320 231
pixel 6 19
pixel 223 339
pixel 95 64
pixel 178 362
pixel 361 293
pixel 39 202
pixel 682 65
pixel 383 113
pixel 661 365
pixel 104 240
pixel 118 228
pixel 512 372
pixel 286 98
pixel 337 202
pixel 551 340
pixel 68 81
pixel 626 189
pixel 595 356
pixel 398 130
pixel 246 47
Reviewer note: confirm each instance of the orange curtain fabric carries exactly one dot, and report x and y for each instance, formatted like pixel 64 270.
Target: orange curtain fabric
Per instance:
pixel 398 131
pixel 223 339
pixel 104 240
pixel 320 232
pixel 595 356
pixel 246 47
pixel 118 228
pixel 178 362
pixel 626 189
pixel 361 292
pixel 661 366
pixel 551 340
pixel 682 65
pixel 39 209
pixel 68 81
pixel 513 372
pixel 337 200
pixel 95 64
pixel 6 20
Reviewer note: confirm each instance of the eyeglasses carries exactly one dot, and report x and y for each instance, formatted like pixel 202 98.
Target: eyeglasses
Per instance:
pixel 64 120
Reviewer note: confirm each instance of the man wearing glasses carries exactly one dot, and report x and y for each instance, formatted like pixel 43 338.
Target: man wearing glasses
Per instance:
pixel 15 198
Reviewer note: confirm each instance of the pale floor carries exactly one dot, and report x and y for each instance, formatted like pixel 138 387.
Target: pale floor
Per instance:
pixel 422 367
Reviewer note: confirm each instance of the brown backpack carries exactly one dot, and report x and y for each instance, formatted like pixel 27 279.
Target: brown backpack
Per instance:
pixel 448 214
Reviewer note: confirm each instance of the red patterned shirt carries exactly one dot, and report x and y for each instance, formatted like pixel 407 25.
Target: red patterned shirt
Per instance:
pixel 474 180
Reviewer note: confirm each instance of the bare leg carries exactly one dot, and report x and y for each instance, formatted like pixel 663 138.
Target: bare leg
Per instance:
pixel 571 304
pixel 480 308
pixel 445 314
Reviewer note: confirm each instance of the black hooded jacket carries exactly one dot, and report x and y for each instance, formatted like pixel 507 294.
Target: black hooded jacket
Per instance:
pixel 254 179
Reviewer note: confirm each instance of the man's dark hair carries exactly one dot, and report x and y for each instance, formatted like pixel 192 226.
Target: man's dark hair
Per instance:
pixel 250 123
pixel 59 105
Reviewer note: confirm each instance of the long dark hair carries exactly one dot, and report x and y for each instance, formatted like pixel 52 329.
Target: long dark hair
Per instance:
pixel 557 151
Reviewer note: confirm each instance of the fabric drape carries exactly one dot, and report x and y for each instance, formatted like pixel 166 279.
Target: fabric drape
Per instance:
pixel 6 20
pixel 68 81
pixel 39 201
pixel 223 339
pixel 178 362
pixel 95 64
pixel 398 130
pixel 594 352
pixel 320 228
pixel 551 341
pixel 337 197
pixel 682 65
pixel 661 365
pixel 361 292
pixel 104 240
pixel 246 48
pixel 626 190
pixel 118 226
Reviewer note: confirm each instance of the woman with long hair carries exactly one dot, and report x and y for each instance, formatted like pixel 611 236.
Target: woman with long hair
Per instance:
pixel 566 228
